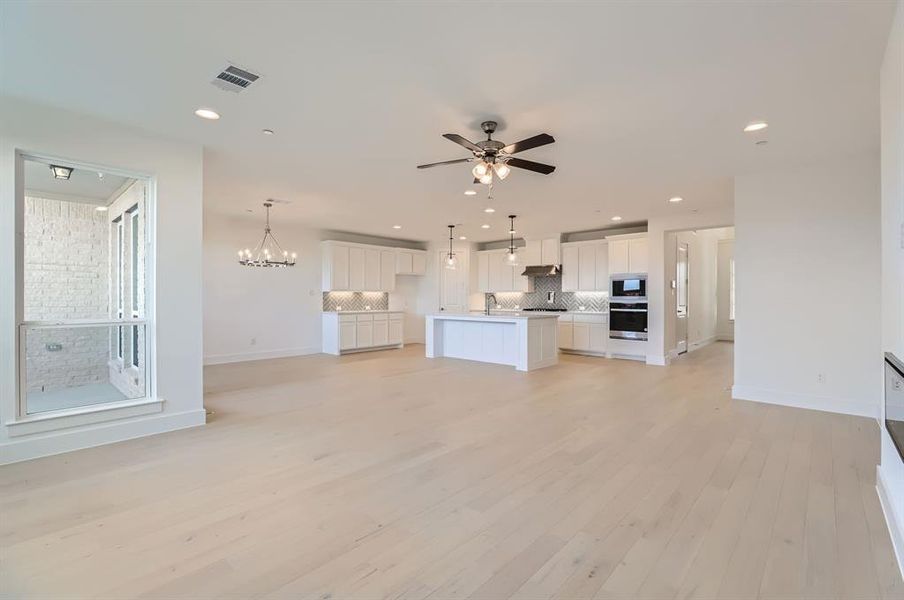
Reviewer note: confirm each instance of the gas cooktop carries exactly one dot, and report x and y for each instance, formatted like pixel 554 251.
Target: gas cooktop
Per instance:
pixel 545 309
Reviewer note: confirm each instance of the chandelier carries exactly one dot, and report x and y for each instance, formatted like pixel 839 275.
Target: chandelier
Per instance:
pixel 268 253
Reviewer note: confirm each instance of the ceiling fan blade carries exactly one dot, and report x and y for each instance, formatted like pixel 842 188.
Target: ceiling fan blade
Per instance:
pixel 532 142
pixel 445 162
pixel 462 142
pixel 530 165
pixel 476 181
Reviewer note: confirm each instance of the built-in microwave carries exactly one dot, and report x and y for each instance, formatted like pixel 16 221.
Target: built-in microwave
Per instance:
pixel 628 287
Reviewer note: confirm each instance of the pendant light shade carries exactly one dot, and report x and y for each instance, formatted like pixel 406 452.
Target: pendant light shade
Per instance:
pixel 512 259
pixel 450 261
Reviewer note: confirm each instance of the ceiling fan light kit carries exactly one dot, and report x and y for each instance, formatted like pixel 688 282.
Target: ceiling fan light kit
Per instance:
pixel 494 158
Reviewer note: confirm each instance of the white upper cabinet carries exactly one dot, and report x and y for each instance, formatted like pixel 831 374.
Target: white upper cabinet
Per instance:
pixel 356 269
pixel 410 262
pixel 628 254
pixel 584 267
pixel 364 268
pixel 387 270
pixel 570 268
pixel 495 275
pixel 532 253
pixel 372 277
pixel 549 251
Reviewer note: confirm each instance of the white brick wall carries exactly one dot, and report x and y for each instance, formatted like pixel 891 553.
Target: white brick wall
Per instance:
pixel 66 266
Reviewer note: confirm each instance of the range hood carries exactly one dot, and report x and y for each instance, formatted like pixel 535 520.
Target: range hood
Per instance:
pixel 541 271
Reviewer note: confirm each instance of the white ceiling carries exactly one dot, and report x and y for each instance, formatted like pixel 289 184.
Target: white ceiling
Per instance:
pixel 645 100
pixel 82 186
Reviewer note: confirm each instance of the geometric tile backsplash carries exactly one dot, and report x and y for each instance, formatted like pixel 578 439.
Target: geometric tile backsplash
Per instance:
pixel 590 301
pixel 334 301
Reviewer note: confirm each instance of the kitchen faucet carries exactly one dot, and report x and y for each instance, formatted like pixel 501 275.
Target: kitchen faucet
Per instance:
pixel 488 296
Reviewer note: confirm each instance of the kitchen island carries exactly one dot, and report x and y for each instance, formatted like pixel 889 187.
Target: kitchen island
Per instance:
pixel 524 341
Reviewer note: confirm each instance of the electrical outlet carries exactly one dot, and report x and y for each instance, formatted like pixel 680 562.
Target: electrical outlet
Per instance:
pixel 820 378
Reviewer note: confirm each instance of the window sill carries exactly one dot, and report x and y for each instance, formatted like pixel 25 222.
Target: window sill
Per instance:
pixel 83 415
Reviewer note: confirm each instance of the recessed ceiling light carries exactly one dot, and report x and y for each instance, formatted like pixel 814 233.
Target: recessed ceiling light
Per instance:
pixel 462 237
pixel 616 218
pixel 484 226
pixel 470 193
pixel 489 210
pixel 756 126
pixel 396 226
pixel 267 131
pixel 100 208
pixel 206 113
pixel 60 172
pixel 675 199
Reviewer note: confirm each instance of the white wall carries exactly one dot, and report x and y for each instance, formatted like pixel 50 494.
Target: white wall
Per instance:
pixel 176 169
pixel 891 470
pixel 254 313
pixel 807 286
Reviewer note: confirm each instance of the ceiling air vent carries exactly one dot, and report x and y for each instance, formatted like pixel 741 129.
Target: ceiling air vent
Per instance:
pixel 234 79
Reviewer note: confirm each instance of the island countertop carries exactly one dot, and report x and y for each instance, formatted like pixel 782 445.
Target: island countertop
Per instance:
pixel 495 318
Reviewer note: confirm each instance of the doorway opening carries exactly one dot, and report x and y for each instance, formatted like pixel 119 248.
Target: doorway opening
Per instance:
pixel 701 299
pixel 84 336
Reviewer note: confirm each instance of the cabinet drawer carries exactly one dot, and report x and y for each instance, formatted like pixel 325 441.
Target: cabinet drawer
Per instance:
pixel 346 318
pixel 566 318
pixel 365 318
pixel 395 316
pixel 381 317
pixel 589 318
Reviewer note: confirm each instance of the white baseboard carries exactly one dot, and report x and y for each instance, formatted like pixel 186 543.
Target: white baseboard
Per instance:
pixel 658 360
pixel 697 345
pixel 844 406
pixel 58 442
pixel 222 359
pixel 892 519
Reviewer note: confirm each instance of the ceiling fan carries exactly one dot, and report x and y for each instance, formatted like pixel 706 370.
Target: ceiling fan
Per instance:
pixel 495 158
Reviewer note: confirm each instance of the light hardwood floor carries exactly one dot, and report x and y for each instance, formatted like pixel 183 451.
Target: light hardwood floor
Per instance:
pixel 390 475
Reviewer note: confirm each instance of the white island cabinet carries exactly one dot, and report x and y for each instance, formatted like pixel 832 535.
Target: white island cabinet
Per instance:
pixel 526 342
pixel 351 331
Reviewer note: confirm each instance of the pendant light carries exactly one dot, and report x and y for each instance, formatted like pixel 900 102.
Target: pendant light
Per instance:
pixel 268 253
pixel 451 261
pixel 512 257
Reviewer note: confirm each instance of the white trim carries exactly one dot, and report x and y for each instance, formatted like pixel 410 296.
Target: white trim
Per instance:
pixel 704 342
pixel 83 415
pixel 106 433
pixel 657 360
pixel 892 519
pixel 845 406
pixel 222 359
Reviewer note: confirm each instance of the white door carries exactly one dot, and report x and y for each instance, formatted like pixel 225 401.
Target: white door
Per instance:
pixel 599 334
pixel 581 336
pixel 356 269
pixel 404 263
pixel 602 267
pixel 483 272
pixel 339 268
pixel 570 268
pixel 681 276
pixel 395 330
pixel 418 263
pixel 637 255
pixel 618 256
pixel 365 334
pixel 566 334
pixel 453 292
pixel 549 251
pixel 387 270
pixel 381 332
pixel 372 270
pixel 587 268
pixel 347 338
pixel 725 277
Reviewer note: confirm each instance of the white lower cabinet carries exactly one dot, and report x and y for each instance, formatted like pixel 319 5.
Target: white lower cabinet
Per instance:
pixel 584 333
pixel 355 332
